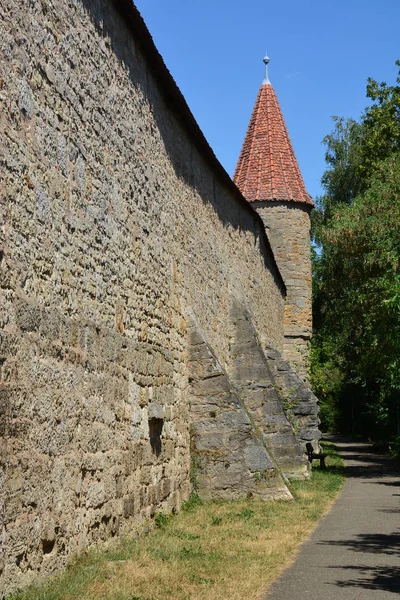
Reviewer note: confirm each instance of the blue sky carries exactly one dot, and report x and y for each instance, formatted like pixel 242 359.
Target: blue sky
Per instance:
pixel 321 52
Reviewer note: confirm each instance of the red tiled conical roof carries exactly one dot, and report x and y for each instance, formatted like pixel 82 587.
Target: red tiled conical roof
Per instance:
pixel 267 168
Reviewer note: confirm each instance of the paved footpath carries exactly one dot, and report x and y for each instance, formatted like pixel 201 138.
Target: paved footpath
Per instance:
pixel 354 553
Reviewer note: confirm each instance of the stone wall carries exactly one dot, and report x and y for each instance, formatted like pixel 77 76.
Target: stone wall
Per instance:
pixel 115 220
pixel 288 228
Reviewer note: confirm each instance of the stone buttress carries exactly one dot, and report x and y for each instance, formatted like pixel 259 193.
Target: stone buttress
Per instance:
pixel 230 459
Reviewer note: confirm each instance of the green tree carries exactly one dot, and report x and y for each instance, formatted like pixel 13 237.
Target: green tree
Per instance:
pixel 381 124
pixel 355 359
pixel 354 149
pixel 342 181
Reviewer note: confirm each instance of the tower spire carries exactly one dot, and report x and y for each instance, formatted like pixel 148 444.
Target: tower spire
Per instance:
pixel 266 62
pixel 267 168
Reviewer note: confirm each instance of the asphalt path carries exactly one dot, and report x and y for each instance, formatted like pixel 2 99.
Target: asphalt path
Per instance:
pixel 354 552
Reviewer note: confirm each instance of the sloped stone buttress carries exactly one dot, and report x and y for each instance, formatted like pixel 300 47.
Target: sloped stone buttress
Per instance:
pixel 229 457
pixel 299 402
pixel 253 379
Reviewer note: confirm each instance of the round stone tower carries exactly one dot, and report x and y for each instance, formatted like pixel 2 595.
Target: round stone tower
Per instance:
pixel 268 176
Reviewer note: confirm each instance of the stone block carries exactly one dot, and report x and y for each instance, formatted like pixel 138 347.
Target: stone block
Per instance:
pixel 28 315
pixel 257 459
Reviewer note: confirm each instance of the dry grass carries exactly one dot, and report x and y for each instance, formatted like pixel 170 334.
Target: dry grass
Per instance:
pixel 218 551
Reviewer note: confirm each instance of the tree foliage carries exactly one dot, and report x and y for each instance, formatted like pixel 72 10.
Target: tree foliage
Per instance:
pixel 355 360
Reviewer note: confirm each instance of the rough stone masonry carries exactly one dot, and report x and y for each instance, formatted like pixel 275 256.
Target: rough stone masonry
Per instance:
pixel 122 241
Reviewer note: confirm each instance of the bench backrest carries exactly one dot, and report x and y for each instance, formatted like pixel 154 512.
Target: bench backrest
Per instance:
pixel 310 449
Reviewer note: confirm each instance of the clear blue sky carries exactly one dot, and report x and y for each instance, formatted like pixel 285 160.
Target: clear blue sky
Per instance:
pixel 321 51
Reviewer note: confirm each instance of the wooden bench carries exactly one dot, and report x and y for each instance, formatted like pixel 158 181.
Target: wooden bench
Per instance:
pixel 312 455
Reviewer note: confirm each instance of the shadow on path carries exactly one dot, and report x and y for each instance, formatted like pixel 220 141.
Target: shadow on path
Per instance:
pixel 375 578
pixel 363 463
pixel 371 543
pixel 354 553
pixel 370 468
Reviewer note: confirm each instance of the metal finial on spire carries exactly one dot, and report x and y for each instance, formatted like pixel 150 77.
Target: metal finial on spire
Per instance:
pixel 266 61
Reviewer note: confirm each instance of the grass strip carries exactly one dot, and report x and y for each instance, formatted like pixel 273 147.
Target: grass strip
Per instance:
pixel 209 551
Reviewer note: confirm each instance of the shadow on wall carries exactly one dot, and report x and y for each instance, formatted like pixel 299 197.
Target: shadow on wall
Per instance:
pixel 185 144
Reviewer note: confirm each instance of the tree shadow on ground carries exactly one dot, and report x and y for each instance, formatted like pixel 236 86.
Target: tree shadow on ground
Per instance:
pixel 360 449
pixel 380 468
pixel 376 543
pixel 370 471
pixel 368 458
pixel 373 578
pixel 371 465
pixel 383 578
pixel 390 483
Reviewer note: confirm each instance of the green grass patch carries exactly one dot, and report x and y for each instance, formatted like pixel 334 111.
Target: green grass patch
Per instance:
pixel 210 550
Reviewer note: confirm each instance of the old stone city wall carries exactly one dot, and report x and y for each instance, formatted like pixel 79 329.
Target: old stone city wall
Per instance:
pixel 116 219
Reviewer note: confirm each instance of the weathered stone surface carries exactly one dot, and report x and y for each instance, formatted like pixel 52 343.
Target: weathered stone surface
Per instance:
pixel 229 457
pixel 250 372
pixel 300 404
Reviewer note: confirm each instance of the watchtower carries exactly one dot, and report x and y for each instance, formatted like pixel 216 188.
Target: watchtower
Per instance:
pixel 269 177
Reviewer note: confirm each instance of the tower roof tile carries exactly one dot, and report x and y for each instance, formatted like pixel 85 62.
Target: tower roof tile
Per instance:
pixel 267 168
